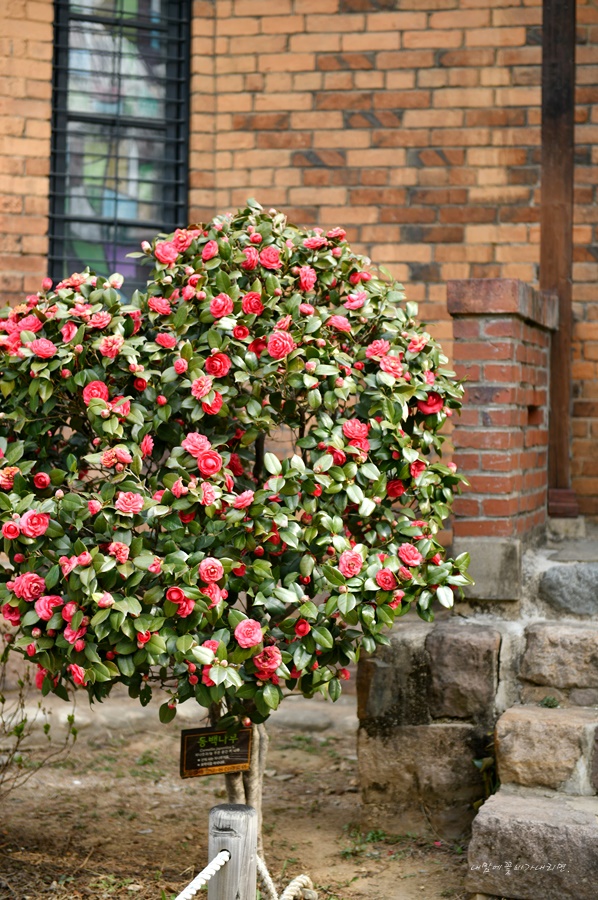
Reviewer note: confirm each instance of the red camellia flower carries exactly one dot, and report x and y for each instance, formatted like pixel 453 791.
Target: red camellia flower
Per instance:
pixel 417 467
pixel 11 530
pixel 248 633
pixel 252 259
pixel 218 365
pixel 409 555
pixel 209 462
pixel 41 480
pixel 140 384
pixel 43 348
pixel 251 304
pixel 213 408
pixel 240 332
pixel 395 489
pixel 270 257
pixel 168 341
pixel 77 673
pixel 280 344
pixel 95 390
pixel 11 614
pixel 386 580
pixel 166 252
pixel 221 305
pixel 267 662
pixel 302 627
pixel 432 404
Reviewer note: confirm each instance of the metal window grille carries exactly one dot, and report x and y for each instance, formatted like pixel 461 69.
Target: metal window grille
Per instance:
pixel 119 131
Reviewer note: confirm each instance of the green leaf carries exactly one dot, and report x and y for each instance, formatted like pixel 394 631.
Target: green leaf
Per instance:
pixel 322 637
pixel 271 695
pixel 370 471
pixel 445 596
pixel 166 713
pixel 272 464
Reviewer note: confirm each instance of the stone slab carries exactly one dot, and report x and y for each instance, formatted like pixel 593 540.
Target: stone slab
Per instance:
pixel 561 655
pixel 464 670
pixel 422 774
pixel 495 567
pixel 535 845
pixel 572 588
pixel 553 748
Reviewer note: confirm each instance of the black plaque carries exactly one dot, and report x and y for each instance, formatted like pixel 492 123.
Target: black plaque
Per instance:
pixel 208 751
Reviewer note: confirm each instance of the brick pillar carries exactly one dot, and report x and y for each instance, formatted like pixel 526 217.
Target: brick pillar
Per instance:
pixel 502 343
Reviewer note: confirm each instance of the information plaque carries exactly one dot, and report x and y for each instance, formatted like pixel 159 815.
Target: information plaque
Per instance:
pixel 208 751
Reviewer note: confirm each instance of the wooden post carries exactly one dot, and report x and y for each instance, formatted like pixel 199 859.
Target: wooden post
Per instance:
pixel 233 827
pixel 556 240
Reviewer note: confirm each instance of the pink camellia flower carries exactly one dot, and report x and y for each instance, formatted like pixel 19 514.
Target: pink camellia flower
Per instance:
pixel 213 408
pixel 30 323
pixel 159 305
pixel 315 243
pixel 180 366
pixel 210 569
pixel 409 555
pixel 248 633
pixel 168 341
pixel 201 387
pixel 82 310
pixel 67 564
pixel 11 531
pixel 257 346
pixel 213 592
pixel 11 614
pixel 397 596
pixel 106 601
pixel 240 332
pixel 356 300
pixel 417 467
pixel 41 480
pixel 306 309
pixel 270 257
pixel 209 462
pixel 157 495
pixel 166 252
pixel 417 344
pixel 43 348
pixel 195 443
pixel 267 662
pixel 429 376
pixel 307 278
pixel 95 390
pixel 302 627
pixel 280 344
pixel 33 524
pixel 243 500
pixel 119 551
pixel 339 457
pixel 218 365
pixel 7 477
pixel 186 607
pixel 340 323
pixel 108 458
pixel 207 494
pixel 121 407
pixel 283 324
pixel 252 259
pixel 395 489
pixel 45 606
pixel 353 428
pixel 123 455
pixel 175 594
pixel 111 345
pixel 146 446
pixel 155 567
pixel 183 238
pixel 221 305
pixel 392 366
pixel 350 563
pixel 336 233
pixel 129 503
pixel 68 332
pixel 251 304
pixel 74 634
pixel 386 580
pixel 28 586
pixel 100 320
pixel 179 488
pixel 210 250
pixel 377 349
pixel 362 444
pixel 85 558
pixel 77 673
pixel 432 404
pixel 205 676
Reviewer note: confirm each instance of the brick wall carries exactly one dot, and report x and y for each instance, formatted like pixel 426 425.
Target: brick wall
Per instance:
pixel 25 110
pixel 502 342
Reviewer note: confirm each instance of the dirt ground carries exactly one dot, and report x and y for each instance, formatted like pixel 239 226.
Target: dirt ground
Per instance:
pixel 115 820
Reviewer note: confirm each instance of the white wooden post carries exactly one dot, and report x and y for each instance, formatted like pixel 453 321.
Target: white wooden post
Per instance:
pixel 233 827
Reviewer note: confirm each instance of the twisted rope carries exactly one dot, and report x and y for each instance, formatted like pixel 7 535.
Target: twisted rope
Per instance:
pixel 293 891
pixel 204 876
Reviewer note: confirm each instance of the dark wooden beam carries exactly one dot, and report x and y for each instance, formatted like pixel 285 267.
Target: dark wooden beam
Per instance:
pixel 556 241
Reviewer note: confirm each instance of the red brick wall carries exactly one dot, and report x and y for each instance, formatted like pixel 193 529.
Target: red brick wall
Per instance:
pixel 502 342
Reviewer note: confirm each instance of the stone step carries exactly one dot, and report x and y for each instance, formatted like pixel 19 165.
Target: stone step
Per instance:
pixel 551 748
pixel 531 844
pixel 561 659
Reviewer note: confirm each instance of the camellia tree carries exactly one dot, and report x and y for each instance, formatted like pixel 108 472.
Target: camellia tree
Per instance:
pixel 151 537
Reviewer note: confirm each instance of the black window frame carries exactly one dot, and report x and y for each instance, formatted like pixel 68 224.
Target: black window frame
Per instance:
pixel 175 126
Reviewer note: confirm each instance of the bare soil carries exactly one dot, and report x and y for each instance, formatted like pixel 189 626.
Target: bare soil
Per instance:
pixel 114 820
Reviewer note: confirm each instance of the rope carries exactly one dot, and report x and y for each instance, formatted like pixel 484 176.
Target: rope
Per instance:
pixel 204 876
pixel 293 891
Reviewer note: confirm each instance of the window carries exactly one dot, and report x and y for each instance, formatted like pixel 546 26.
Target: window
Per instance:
pixel 119 131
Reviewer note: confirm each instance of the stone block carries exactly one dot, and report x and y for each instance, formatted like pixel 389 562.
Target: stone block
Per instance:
pixel 571 588
pixel 393 686
pixel 495 567
pixel 464 670
pixel 422 775
pixel 553 748
pixel 561 655
pixel 535 845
